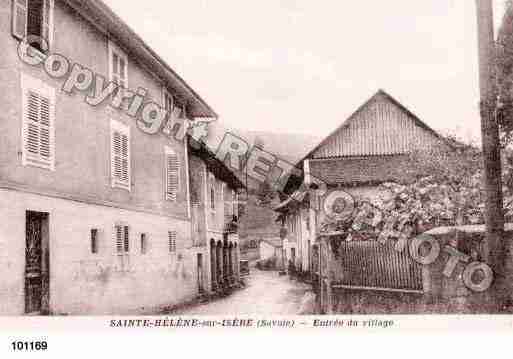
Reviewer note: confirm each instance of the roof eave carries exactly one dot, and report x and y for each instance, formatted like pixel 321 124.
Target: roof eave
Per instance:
pixel 102 16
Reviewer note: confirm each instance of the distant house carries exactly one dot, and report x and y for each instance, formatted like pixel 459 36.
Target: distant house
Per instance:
pixel 371 147
pixel 272 248
pixel 259 223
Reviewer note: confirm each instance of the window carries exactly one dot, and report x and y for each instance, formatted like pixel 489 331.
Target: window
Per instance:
pixel 144 243
pixel 38 101
pixel 33 17
pixel 172 166
pixel 122 243
pixel 212 182
pixel 120 155
pixel 94 240
pixel 122 239
pixel 168 101
pixel 234 203
pixel 172 241
pixel 118 66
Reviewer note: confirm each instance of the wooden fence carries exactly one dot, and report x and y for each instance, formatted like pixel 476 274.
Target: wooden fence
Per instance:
pixel 375 265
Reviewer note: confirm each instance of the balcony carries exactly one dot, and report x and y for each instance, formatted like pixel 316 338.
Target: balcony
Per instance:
pixel 231 224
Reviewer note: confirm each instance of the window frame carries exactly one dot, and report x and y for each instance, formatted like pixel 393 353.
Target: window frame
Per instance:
pixel 113 48
pixel 166 92
pixel 94 240
pixel 49 22
pixel 144 243
pixel 212 192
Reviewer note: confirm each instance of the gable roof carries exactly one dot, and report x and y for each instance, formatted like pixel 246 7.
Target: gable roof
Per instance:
pixel 348 121
pixel 381 151
pixel 106 21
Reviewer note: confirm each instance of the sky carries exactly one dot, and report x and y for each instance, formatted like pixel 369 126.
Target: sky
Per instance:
pixel 303 66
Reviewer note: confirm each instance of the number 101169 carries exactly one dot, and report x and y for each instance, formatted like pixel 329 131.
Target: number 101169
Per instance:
pixel 29 346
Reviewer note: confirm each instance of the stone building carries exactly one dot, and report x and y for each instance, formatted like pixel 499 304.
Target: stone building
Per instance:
pixel 97 212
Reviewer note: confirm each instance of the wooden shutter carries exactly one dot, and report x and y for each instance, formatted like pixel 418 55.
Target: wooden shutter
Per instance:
pixel 19 18
pixel 117 154
pixel 45 24
pixel 172 241
pixel 120 155
pixel 172 174
pixel 124 158
pixel 119 239
pixel 126 240
pixel 38 124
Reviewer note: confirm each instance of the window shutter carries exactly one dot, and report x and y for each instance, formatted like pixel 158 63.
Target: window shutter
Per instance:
pixel 116 148
pixel 126 240
pixel 124 158
pixel 38 124
pixel 172 174
pixel 119 239
pixel 120 155
pixel 19 18
pixel 172 241
pixel 45 24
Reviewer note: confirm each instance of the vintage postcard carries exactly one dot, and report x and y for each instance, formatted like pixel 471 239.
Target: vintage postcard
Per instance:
pixel 295 164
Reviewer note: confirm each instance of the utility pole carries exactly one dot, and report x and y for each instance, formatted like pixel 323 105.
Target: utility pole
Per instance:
pixel 495 248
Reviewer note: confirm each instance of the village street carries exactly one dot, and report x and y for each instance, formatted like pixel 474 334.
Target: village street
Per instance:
pixel 266 293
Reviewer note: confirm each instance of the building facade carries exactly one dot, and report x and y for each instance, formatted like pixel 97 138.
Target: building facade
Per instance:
pixel 215 217
pixel 97 213
pixel 371 147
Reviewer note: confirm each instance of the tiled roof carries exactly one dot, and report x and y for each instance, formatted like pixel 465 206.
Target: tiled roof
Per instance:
pixel 361 170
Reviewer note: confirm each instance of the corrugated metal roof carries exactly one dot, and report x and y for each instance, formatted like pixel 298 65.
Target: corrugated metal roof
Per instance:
pixel 381 126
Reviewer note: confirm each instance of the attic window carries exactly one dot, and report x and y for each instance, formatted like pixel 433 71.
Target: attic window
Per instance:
pixel 33 17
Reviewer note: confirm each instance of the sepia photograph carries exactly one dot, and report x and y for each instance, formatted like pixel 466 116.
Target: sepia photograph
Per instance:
pixel 256 164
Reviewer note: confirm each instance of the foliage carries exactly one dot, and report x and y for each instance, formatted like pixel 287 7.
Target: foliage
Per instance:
pixel 446 190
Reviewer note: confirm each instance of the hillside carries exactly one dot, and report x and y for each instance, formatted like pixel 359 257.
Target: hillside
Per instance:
pixel 288 146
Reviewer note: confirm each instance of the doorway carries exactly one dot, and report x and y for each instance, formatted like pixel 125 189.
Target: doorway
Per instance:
pixel 37 263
